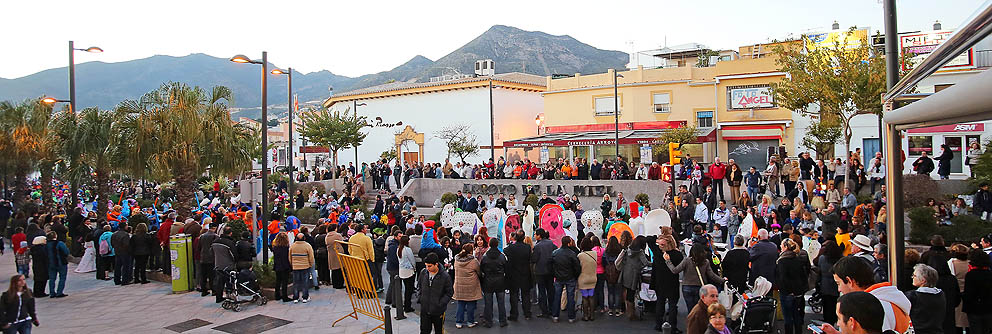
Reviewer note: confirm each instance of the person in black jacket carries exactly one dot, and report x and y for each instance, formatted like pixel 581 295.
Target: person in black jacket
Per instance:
pixel 923 165
pixel 944 161
pixel 245 251
pixel 541 258
pixel 39 265
pixel 665 283
pixel 595 168
pixel 436 290
pixel 566 268
pixel 207 261
pixel 17 307
pixel 493 270
pixel 141 247
pixel 736 264
pixel 392 264
pixel 928 301
pixel 121 242
pixel 223 249
pixel 977 296
pixel 519 275
pixel 792 277
pixel 281 266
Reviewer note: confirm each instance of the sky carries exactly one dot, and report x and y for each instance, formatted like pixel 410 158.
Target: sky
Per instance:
pixel 360 37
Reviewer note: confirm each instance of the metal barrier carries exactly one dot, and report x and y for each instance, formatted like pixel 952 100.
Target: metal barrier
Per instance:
pixel 361 291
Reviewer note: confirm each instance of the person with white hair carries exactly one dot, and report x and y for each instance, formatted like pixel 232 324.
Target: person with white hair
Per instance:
pixel 925 300
pixel 764 253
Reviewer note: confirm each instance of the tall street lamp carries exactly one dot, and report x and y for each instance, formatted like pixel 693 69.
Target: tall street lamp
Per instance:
pixel 355 109
pixel 242 59
pixel 616 111
pixel 289 98
pixel 72 97
pixel 72 71
pixel 51 100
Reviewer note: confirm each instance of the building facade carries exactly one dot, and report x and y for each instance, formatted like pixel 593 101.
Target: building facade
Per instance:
pixel 429 107
pixel 729 103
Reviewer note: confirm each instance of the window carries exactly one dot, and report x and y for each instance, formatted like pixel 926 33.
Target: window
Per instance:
pixel 662 102
pixel 605 106
pixel 704 119
pixel 919 144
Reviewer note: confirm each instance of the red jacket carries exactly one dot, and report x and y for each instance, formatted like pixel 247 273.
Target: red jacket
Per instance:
pixel 654 173
pixel 163 232
pixel 718 171
pixel 15 240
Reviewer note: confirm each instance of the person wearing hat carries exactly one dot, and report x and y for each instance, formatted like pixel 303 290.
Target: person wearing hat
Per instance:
pixel 39 263
pixel 861 248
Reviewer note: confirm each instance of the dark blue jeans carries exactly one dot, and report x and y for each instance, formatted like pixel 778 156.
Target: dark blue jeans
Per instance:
pixel 544 285
pixel 793 311
pixel 570 297
pixel 54 274
pixel 301 283
pixel 23 327
pixel 691 295
pixel 487 309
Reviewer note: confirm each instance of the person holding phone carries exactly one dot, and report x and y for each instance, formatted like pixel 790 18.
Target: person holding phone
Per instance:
pixel 857 313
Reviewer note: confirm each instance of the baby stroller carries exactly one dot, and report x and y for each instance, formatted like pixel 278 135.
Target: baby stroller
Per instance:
pixel 754 312
pixel 241 288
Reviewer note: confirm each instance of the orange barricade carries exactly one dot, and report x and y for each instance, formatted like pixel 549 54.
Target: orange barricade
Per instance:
pixel 361 290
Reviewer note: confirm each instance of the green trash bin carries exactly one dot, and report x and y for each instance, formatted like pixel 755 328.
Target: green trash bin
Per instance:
pixel 180 248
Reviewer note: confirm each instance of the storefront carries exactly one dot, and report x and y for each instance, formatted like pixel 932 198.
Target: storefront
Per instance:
pixel 636 145
pixel 957 136
pixel 752 143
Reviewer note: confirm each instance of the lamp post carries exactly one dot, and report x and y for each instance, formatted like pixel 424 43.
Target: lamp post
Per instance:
pixel 242 59
pixel 51 100
pixel 492 123
pixel 616 112
pixel 72 97
pixel 355 110
pixel 537 121
pixel 289 98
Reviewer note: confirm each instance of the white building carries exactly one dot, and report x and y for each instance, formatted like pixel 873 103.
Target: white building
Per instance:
pixel 428 107
pixel 865 127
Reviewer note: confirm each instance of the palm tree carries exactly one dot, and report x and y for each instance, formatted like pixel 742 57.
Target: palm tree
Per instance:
pixel 98 150
pixel 180 132
pixel 25 141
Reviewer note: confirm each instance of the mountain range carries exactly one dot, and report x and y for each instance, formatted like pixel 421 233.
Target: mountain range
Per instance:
pixel 512 49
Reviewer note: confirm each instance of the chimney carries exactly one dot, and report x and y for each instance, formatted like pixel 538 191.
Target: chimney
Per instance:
pixel 936 25
pixel 836 25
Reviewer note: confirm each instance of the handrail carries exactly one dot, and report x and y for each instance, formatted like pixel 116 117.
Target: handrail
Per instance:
pixel 978 27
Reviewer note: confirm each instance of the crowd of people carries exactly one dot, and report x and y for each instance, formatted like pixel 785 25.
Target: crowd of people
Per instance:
pixel 796 223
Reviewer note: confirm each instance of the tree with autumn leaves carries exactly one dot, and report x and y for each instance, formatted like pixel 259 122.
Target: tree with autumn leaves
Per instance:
pixel 830 84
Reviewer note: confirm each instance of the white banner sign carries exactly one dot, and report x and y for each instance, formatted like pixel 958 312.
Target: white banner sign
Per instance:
pixel 646 154
pixel 748 98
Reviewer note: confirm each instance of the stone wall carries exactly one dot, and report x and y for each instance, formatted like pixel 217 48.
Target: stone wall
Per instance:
pixel 590 192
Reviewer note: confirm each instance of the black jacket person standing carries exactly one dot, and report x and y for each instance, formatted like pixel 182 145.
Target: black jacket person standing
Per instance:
pixel 435 293
pixel 518 276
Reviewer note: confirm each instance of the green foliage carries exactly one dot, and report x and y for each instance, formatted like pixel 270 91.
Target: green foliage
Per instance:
pixel 309 187
pixel 238 227
pixel 265 275
pixel 460 140
pixel 274 178
pixel 922 224
pixel 983 170
pixel 137 218
pixel 822 136
pixel 917 189
pixel 436 217
pixel 964 228
pixel 682 135
pixel 336 130
pixel 308 215
pixel 388 155
pixel 531 201
pixel 836 82
pixel 643 199
pixel 448 198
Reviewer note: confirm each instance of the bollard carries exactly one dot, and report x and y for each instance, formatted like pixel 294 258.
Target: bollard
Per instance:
pixel 398 297
pixel 387 319
pixel 666 328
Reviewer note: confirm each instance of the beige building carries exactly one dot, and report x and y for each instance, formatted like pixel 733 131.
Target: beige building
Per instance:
pixel 729 102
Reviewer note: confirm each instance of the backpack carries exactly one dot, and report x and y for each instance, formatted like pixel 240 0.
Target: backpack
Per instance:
pixel 104 247
pixel 611 271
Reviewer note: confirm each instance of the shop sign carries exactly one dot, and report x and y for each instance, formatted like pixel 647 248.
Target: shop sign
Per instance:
pixel 646 154
pixel 828 39
pixel 919 46
pixel 968 127
pixel 544 155
pixel 751 98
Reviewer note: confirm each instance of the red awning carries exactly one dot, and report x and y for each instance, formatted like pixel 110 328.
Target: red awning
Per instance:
pixel 752 132
pixel 636 137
